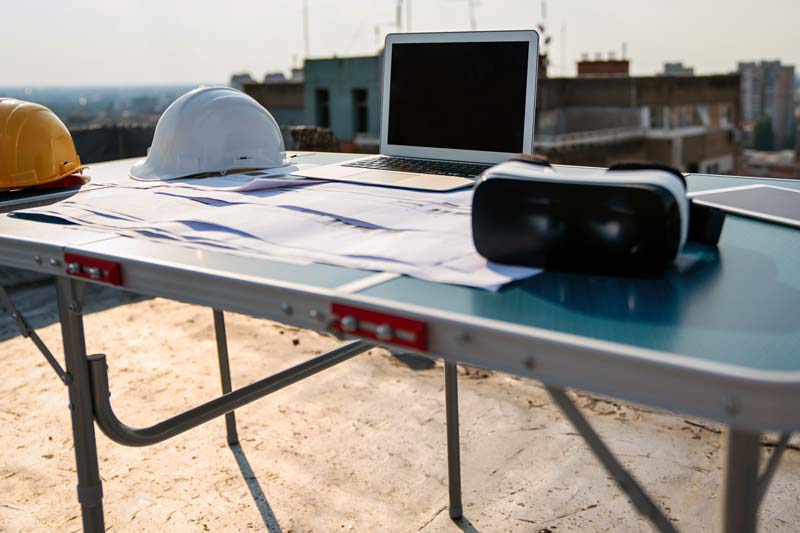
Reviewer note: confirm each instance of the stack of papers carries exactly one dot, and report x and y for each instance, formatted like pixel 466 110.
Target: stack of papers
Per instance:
pixel 420 234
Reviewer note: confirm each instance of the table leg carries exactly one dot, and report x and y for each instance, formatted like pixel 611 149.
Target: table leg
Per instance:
pixel 740 507
pixel 90 489
pixel 453 445
pixel 225 371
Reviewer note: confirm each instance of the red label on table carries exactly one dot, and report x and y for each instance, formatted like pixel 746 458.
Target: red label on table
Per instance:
pixel 380 326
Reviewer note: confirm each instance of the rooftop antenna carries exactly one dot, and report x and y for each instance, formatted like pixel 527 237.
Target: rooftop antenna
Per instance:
pixel 624 50
pixel 305 27
pixel 399 16
pixel 472 4
pixel 379 31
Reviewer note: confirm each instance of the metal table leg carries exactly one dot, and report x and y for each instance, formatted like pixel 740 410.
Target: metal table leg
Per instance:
pixel 90 489
pixel 740 508
pixel 225 371
pixel 453 445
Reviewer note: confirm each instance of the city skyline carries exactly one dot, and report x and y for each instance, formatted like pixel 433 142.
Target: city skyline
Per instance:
pixel 164 43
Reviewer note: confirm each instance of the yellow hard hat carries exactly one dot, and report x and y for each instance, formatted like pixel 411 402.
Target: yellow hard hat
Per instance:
pixel 35 146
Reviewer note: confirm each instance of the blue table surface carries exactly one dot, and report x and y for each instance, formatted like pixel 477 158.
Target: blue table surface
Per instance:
pixel 737 304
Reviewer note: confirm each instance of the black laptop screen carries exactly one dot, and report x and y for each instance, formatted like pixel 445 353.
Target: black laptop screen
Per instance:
pixel 467 96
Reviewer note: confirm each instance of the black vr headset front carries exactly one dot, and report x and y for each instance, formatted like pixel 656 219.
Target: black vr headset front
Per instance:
pixel 632 219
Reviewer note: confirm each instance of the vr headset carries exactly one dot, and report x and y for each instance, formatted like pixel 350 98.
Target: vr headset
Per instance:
pixel 630 220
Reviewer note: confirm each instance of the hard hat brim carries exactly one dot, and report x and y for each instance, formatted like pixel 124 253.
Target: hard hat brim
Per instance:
pixel 77 170
pixel 141 171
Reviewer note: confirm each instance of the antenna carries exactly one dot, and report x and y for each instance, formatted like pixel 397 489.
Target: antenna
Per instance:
pixel 624 50
pixel 305 27
pixel 471 4
pixel 564 50
pixel 399 16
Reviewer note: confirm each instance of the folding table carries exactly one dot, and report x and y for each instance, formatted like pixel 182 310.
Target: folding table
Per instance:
pixel 716 337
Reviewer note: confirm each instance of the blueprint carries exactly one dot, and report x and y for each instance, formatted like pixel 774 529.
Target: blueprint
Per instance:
pixel 416 233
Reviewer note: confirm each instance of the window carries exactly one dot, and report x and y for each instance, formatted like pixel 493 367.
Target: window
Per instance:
pixel 725 115
pixel 360 122
pixel 657 117
pixel 323 103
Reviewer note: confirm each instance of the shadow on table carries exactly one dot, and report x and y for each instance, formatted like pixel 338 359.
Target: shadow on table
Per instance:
pixel 255 490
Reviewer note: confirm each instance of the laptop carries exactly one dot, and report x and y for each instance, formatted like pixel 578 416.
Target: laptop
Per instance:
pixel 453 104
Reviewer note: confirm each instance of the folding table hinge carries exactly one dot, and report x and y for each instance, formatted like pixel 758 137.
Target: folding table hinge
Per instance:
pixel 379 326
pixel 93 269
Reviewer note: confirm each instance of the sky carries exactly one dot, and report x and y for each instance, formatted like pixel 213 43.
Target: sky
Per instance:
pixel 125 42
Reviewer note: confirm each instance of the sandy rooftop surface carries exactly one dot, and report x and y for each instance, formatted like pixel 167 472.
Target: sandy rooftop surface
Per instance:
pixel 359 447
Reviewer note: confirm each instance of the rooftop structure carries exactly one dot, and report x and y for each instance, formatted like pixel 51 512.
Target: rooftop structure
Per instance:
pixel 677 69
pixel 687 122
pixel 777 164
pixel 238 80
pixel 285 100
pixel 767 92
pixel 603 67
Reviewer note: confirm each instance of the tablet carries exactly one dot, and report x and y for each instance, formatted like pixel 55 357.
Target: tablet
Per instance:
pixel 764 202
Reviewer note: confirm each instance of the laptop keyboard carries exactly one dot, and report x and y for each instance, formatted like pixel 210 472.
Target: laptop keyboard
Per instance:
pixel 422 166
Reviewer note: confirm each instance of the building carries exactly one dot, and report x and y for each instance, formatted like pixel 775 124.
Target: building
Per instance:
pixel 344 94
pixel 776 164
pixel 686 122
pixel 767 90
pixel 603 67
pixel 595 120
pixel 340 93
pixel 238 80
pixel 285 100
pixel 677 69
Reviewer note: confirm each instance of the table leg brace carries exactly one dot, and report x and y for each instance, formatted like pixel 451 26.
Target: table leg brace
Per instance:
pixel 27 331
pixel 128 436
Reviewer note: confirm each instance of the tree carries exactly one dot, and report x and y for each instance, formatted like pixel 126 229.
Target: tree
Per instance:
pixel 763 137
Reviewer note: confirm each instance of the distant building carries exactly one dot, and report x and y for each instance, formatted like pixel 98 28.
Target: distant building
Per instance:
pixel 238 80
pixel 777 164
pixel 344 94
pixel 767 90
pixel 677 69
pixel 338 93
pixel 686 122
pixel 284 100
pixel 274 77
pixel 603 68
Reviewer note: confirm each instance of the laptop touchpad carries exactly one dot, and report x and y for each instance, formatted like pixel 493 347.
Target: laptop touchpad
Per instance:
pixel 411 181
pixel 380 176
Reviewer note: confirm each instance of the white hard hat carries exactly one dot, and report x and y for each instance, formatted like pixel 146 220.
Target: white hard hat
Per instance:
pixel 212 130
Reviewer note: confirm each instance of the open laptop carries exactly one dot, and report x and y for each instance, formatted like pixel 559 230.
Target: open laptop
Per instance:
pixel 453 104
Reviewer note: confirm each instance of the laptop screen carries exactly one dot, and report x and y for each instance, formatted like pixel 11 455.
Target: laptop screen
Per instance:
pixel 460 95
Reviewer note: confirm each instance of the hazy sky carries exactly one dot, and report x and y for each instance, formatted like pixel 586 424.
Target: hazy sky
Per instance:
pixel 82 42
